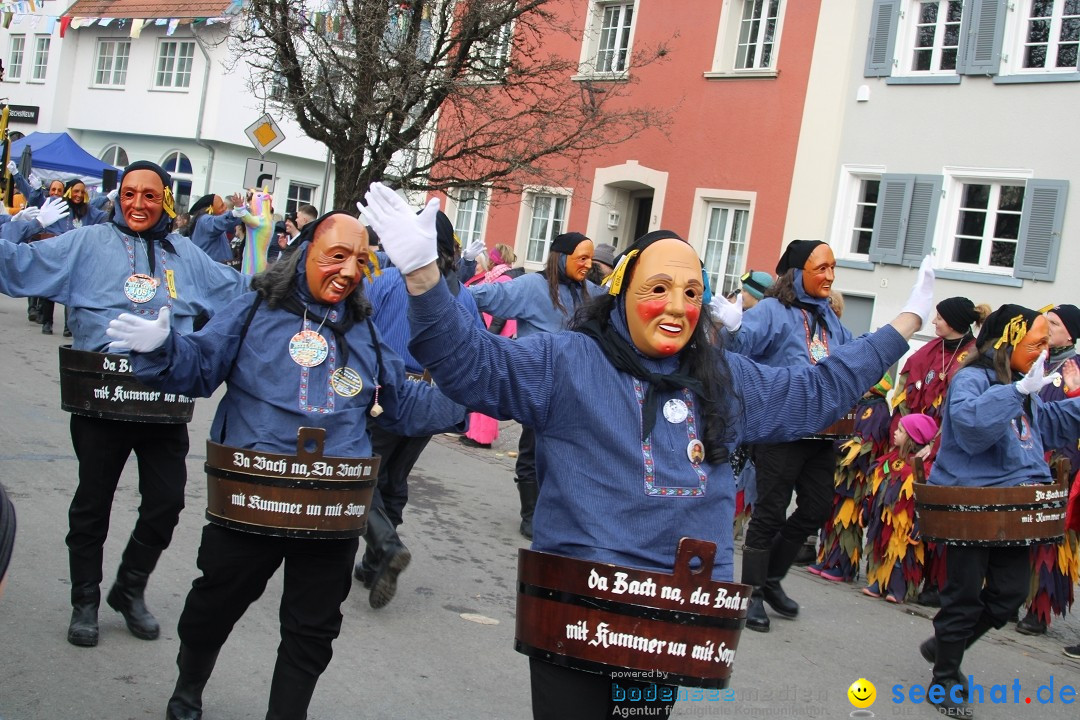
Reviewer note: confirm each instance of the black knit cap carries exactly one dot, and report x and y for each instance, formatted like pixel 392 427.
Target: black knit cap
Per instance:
pixel 958 313
pixel 444 234
pixel 566 242
pixel 796 255
pixel 995 326
pixel 7 531
pixel 72 183
pixel 166 179
pixel 1070 318
pixel 202 203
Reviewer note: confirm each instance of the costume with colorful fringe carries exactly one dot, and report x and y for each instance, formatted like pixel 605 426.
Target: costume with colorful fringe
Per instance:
pixel 742 466
pixel 841 539
pixel 922 384
pixel 894 554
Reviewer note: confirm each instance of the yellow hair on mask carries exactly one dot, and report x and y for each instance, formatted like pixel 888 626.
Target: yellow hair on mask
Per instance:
pixel 1014 332
pixel 618 274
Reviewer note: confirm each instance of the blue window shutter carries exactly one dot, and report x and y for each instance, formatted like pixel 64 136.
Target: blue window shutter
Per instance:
pixel 981 36
pixel 1040 229
pixel 922 217
pixel 890 221
pixel 879 51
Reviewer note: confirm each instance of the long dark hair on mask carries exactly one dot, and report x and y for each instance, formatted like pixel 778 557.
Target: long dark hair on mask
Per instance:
pixel 702 360
pixel 279 282
pixel 783 289
pixel 554 270
pixel 998 361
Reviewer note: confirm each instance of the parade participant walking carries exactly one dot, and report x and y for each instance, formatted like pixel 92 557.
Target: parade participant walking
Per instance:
pixel 131 264
pixel 386 556
pixel 921 388
pixel 894 560
pixel 994 429
pixel 210 224
pixel 353 379
pixel 793 325
pixel 626 492
pixel 541 302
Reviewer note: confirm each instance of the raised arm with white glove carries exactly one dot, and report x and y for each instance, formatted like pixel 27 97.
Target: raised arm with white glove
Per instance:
pixel 131 332
pixel 728 314
pixel 53 209
pixel 473 249
pixel 12 168
pixel 1036 378
pixel 407 237
pixel 920 303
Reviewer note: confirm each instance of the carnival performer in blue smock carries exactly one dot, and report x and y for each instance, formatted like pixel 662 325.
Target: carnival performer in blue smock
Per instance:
pixel 350 379
pixel 385 555
pixel 541 302
pixel 131 264
pixel 636 413
pixel 793 325
pixel 994 432
pixel 210 222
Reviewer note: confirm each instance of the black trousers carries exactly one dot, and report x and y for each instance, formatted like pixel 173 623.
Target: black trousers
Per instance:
pixel 235 568
pixel 560 693
pixel 102 448
pixel 981 581
pixel 399 454
pixel 525 467
pixel 805 467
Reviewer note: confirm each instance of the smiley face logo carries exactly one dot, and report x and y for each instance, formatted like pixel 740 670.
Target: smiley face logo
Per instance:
pixel 862 693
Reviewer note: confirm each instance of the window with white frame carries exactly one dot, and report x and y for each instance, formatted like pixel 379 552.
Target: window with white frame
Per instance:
pixel 547 219
pixel 112 63
pixel 609 38
pixel 862 226
pixel 178 165
pixel 933 37
pixel 41 58
pixel 299 194
pixel 490 57
pixel 725 246
pixel 470 210
pixel 115 155
pixel 987 226
pixel 1048 35
pixel 856 211
pixel 174 62
pixel 748 38
pixel 15 58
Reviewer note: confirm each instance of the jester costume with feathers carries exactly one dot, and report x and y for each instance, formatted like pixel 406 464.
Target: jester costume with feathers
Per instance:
pixel 894 555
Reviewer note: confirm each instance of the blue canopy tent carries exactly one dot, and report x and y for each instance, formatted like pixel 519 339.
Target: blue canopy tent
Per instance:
pixel 56 155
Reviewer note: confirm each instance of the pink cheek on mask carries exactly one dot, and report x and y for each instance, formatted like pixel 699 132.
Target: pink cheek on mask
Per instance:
pixel 692 314
pixel 648 309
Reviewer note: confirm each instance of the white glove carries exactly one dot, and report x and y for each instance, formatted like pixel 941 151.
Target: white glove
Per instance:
pixel 12 168
pixel 407 238
pixel 1036 380
pixel 728 313
pixel 53 209
pixel 473 250
pixel 240 211
pixel 921 300
pixel 112 195
pixel 130 332
pixel 35 181
pixel 30 212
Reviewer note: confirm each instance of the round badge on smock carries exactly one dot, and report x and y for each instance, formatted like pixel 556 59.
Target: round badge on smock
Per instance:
pixel 695 451
pixel 308 348
pixel 675 411
pixel 346 382
pixel 140 288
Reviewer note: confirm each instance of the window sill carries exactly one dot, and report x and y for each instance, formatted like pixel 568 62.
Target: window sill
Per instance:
pixel 1045 78
pixel 923 80
pixel 601 77
pixel 170 90
pixel 977 277
pixel 854 264
pixel 36 82
pixel 108 87
pixel 741 74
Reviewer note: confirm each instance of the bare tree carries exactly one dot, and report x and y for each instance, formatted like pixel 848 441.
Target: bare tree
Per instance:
pixel 371 79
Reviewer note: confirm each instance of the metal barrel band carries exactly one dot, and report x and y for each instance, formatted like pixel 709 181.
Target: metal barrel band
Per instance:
pixel 945 507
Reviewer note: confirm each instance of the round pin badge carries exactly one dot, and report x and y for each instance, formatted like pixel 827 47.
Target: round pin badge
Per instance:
pixel 675 411
pixel 346 382
pixel 308 348
pixel 140 288
pixel 695 450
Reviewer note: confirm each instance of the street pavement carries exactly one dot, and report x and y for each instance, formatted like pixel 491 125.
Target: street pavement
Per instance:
pixel 444 647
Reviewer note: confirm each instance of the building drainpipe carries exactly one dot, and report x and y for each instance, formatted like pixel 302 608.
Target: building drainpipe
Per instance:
pixel 202 109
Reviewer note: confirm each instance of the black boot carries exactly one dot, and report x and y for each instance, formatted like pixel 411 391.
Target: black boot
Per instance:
pixel 755 566
pixel 126 595
pixel 929 597
pixel 528 490
pixel 290 692
pixel 393 557
pixel 947 674
pixel 195 668
pixel 1031 625
pixel 928 648
pixel 781 555
pixel 366 568
pixel 83 630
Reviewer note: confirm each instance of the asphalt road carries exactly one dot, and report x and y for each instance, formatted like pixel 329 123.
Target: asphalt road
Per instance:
pixel 444 647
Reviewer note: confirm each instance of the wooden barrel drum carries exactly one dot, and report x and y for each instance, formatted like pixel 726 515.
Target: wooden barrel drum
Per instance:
pixel 304 495
pixel 102 385
pixel 991 516
pixel 600 617
pixel 839 430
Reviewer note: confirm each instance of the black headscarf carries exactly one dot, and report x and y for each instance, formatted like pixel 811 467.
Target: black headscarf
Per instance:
pixel 958 313
pixel 1070 318
pixel 796 255
pixel 1007 325
pixel 566 242
pixel 163 225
